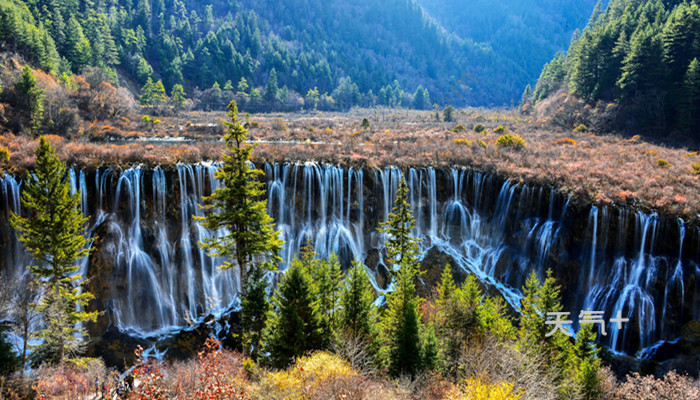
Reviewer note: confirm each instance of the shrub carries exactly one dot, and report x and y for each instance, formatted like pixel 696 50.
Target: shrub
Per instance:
pixel 329 131
pixel 254 125
pixel 476 389
pixel 510 141
pixel 279 125
pixel 365 123
pixel 581 128
pixel 565 141
pixel 663 163
pixel 478 128
pixel 696 167
pixel 318 376
pixel 448 114
pixel 672 386
pixel 463 141
pixel 500 129
pixel 459 128
pixel 4 154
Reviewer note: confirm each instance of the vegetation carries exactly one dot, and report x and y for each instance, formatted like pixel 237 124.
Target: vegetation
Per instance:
pixel 234 207
pixel 635 60
pixel 54 234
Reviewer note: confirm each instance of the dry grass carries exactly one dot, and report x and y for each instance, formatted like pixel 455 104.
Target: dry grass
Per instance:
pixel 604 169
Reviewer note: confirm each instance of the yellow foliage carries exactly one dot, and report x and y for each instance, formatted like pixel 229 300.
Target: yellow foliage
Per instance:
pixel 476 389
pixel 565 141
pixel 696 167
pixel 510 140
pixel 663 163
pixel 4 154
pixel 329 131
pixel 314 373
pixel 463 141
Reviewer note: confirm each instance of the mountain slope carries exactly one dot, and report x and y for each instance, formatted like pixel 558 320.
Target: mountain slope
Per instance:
pixel 526 32
pixel 345 49
pixel 638 62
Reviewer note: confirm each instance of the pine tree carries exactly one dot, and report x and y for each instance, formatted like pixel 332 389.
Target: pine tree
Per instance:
pixel 689 102
pixel 243 86
pixel 159 96
pixel 271 88
pixel 54 233
pixel 78 50
pixel 293 328
pixel 178 97
pixel 147 93
pixel 235 206
pixel 326 279
pixel 401 322
pixel 358 315
pixel 31 96
pixel 586 362
pixel 254 309
pixel 402 248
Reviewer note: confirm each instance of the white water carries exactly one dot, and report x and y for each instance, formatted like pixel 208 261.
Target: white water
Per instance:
pixel 499 231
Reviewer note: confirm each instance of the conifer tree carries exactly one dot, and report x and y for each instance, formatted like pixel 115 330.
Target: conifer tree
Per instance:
pixel 689 103
pixel 254 309
pixel 54 234
pixel 401 246
pixel 358 314
pixel 235 206
pixel 293 328
pixel 31 96
pixel 147 97
pixel 401 322
pixel 271 88
pixel 326 279
pixel 159 96
pixel 178 97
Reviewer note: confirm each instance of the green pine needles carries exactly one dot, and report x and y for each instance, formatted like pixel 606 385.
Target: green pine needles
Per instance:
pixel 234 206
pixel 54 234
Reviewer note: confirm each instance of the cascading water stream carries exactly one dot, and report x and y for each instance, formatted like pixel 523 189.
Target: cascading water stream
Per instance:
pixel 156 278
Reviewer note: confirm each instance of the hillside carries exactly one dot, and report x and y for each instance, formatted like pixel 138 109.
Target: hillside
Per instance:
pixel 528 33
pixel 364 52
pixel 636 69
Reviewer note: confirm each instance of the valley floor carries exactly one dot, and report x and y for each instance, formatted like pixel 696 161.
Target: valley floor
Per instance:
pixel 594 167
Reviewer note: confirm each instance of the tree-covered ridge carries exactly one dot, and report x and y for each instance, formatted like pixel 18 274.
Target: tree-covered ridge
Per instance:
pixel 528 33
pixel 642 56
pixel 347 50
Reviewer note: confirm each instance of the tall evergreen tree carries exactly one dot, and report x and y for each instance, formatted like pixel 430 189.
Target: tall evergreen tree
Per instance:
pixel 689 103
pixel 54 234
pixel 271 88
pixel 235 206
pixel 32 97
pixel 401 323
pixel 326 280
pixel 178 97
pixel 293 327
pixel 254 310
pixel 358 314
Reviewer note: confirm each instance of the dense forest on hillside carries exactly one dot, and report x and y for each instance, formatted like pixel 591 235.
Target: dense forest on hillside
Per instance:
pixel 636 66
pixel 526 32
pixel 364 53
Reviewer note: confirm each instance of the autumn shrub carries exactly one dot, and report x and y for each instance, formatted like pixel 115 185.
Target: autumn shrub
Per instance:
pixel 509 140
pixel 581 128
pixel 500 129
pixel 279 125
pixel 459 128
pixel 254 125
pixel 319 376
pixel 637 387
pixel 478 128
pixel 4 154
pixel 74 379
pixel 463 141
pixel 695 167
pixel 663 163
pixel 565 141
pixel 476 389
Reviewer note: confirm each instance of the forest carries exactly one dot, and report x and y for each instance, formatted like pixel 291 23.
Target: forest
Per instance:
pixel 635 67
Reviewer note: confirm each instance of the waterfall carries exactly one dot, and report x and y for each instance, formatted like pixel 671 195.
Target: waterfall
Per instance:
pixel 153 277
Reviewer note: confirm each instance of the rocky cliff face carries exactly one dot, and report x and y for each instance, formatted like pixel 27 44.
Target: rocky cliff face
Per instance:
pixel 150 278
